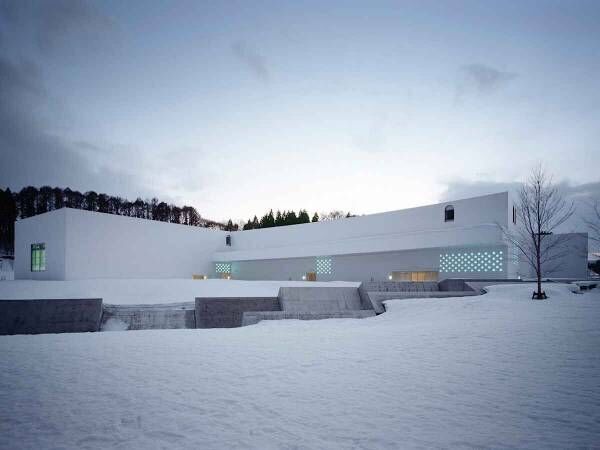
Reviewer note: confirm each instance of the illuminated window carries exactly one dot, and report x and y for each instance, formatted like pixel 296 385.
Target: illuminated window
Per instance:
pixel 449 213
pixel 324 266
pixel 38 257
pixel 222 267
pixel 472 262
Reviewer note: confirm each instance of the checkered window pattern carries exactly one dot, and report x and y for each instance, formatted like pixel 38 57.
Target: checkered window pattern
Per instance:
pixel 324 266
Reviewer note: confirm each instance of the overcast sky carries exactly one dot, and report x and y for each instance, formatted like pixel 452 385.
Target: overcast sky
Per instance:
pixel 237 107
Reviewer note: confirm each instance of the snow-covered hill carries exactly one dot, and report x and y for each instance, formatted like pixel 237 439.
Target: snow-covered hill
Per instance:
pixel 494 371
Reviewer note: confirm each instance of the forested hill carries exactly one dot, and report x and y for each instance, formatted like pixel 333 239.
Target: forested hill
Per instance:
pixel 31 201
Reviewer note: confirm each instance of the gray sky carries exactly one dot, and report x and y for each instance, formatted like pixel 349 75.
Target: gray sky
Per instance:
pixel 237 107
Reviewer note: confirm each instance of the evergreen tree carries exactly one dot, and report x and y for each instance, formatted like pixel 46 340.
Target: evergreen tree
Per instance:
pixel 91 201
pixel 8 215
pixel 303 216
pixel 27 197
pixel 103 203
pixel 44 200
pixel 291 218
pixel 278 219
pixel 270 219
pixel 59 198
pixel 315 218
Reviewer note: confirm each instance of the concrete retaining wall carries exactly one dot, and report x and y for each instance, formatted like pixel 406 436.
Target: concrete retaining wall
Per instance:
pixel 50 316
pixel 219 312
pixel 454 285
pixel 251 318
pixel 150 317
pixel 319 299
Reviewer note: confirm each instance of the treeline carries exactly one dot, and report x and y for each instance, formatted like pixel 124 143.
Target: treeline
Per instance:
pixel 31 201
pixel 284 218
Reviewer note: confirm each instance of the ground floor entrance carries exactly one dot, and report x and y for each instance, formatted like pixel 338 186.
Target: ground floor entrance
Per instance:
pixel 415 276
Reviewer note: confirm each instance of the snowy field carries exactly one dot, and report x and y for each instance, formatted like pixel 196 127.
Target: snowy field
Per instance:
pixel 148 291
pixel 494 371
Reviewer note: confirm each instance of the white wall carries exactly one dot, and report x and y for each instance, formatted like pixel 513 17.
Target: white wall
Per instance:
pixel 108 246
pixel 572 265
pixel 48 228
pixel 364 267
pixel 476 222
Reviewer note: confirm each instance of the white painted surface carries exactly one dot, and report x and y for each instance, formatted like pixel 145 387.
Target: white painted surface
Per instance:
pixel 50 229
pixel 572 263
pixel 109 246
pixel 495 371
pixel 364 266
pixel 83 244
pixel 476 221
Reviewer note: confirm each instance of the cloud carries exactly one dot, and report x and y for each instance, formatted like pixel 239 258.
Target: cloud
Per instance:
pixel 251 59
pixel 29 154
pixel 59 17
pixel 482 79
pixel 53 21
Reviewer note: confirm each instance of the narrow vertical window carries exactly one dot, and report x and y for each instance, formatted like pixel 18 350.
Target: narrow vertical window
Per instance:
pixel 514 215
pixel 38 257
pixel 449 213
pixel 228 240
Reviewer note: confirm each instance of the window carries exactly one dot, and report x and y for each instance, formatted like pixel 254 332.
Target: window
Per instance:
pixel 228 240
pixel 324 266
pixel 38 257
pixel 514 215
pixel 449 213
pixel 414 276
pixel 223 267
pixel 475 261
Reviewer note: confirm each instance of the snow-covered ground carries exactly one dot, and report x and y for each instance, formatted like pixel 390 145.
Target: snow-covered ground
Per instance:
pixel 148 291
pixel 494 371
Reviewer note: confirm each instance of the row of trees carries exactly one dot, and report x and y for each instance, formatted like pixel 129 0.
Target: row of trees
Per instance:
pixel 31 201
pixel 280 219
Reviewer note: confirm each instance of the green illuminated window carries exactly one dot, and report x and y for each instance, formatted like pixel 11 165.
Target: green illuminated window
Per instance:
pixel 38 257
pixel 324 266
pixel 223 267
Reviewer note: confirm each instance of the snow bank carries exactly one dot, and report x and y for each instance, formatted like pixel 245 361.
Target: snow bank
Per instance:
pixel 148 291
pixel 493 371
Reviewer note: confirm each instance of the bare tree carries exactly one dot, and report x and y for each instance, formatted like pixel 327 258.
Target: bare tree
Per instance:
pixel 593 222
pixel 540 210
pixel 334 215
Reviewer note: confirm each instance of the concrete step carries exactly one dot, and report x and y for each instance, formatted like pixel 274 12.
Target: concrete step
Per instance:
pixel 148 317
pixel 319 299
pixel 253 317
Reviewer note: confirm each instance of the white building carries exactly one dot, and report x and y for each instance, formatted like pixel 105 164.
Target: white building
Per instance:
pixel 460 239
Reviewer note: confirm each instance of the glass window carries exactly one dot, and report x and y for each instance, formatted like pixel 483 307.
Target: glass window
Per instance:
pixel 324 266
pixel 449 213
pixel 471 262
pixel 223 267
pixel 38 257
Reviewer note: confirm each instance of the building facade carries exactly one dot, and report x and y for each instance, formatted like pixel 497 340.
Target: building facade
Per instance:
pixel 459 239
